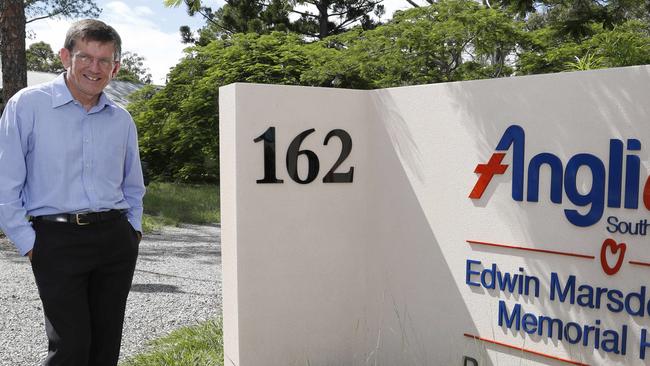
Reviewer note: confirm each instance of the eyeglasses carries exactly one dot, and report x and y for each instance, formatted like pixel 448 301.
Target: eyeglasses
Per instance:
pixel 85 60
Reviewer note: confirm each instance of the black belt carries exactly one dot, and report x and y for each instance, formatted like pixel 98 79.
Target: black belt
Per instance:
pixel 84 218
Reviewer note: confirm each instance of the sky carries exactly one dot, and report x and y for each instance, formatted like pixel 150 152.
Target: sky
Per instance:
pixel 146 28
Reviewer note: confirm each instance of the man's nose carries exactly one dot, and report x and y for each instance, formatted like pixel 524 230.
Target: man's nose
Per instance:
pixel 95 65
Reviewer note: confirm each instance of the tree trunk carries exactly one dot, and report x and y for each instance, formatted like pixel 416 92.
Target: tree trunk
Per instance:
pixel 12 47
pixel 323 18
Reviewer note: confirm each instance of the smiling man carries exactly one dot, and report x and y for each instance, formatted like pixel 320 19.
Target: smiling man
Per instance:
pixel 71 193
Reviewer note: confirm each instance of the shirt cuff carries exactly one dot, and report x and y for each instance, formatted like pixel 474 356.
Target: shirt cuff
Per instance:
pixel 137 225
pixel 24 240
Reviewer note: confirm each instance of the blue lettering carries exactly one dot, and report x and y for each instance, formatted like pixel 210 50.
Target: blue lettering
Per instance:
pixel 515 136
pixel 492 273
pixel 491 278
pixel 586 296
pixel 587 330
pixel 614 225
pixel 640 300
pixel 562 294
pixel 529 323
pixel 600 291
pixel 615 298
pixel 608 340
pixel 565 180
pixel 610 344
pixel 612 222
pixel 632 163
pixel 596 195
pixel 556 177
pixel 615 173
pixel 578 332
pixel 535 281
pixel 469 272
pixel 508 282
pixel 514 318
pixel 644 343
pixel 549 325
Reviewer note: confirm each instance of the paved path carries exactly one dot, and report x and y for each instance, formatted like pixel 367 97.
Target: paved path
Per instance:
pixel 177 282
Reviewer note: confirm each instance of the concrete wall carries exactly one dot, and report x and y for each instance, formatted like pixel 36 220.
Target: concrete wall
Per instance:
pixel 374 272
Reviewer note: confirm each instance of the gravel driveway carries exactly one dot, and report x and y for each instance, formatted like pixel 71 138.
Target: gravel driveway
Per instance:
pixel 177 282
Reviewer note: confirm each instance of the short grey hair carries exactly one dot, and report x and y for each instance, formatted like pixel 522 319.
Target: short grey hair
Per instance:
pixel 93 30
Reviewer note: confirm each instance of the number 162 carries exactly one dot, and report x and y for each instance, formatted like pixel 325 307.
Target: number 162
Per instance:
pixel 293 152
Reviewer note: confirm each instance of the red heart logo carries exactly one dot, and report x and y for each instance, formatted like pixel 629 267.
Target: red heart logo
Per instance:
pixel 614 247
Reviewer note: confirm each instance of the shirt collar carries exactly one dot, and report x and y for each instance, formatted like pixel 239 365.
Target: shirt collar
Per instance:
pixel 60 92
pixel 61 95
pixel 104 101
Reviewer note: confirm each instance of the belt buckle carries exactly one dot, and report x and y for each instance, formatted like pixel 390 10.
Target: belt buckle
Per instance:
pixel 79 222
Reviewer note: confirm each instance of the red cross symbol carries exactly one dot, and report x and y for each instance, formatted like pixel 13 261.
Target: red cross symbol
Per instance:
pixel 487 171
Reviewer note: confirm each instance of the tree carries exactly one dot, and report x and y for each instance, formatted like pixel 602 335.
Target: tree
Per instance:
pixel 12 47
pixel 448 41
pixel 132 69
pixel 416 4
pixel 236 16
pixel 265 16
pixel 186 34
pixel 575 18
pixel 40 57
pixel 246 16
pixel 43 9
pixel 626 44
pixel 177 124
pixel 333 16
pixel 14 15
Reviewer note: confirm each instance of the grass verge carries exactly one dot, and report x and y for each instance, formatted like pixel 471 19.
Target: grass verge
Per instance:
pixel 201 344
pixel 172 203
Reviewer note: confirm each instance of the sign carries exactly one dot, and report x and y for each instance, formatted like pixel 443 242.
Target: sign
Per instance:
pixel 494 222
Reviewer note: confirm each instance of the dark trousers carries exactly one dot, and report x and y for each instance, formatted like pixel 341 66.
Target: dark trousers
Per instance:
pixel 84 274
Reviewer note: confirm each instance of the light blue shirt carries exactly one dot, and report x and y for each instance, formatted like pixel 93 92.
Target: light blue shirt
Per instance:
pixel 55 157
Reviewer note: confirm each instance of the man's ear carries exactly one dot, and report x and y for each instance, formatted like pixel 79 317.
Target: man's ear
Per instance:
pixel 66 57
pixel 116 68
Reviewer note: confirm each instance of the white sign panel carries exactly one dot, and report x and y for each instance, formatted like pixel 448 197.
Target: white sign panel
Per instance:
pixel 496 222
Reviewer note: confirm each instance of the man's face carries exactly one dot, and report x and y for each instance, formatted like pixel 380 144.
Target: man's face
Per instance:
pixel 90 67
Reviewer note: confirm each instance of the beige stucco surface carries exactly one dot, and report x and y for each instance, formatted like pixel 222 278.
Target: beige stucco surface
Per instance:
pixel 373 272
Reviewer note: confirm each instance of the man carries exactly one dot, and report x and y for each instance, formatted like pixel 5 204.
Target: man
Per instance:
pixel 69 160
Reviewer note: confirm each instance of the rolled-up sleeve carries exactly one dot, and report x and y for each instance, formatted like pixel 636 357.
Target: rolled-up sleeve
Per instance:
pixel 14 136
pixel 133 183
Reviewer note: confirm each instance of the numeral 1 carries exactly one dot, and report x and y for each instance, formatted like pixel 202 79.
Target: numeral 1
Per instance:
pixel 269 156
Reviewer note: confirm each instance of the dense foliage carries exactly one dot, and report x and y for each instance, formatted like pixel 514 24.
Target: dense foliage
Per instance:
pixel 449 40
pixel 178 125
pixel 312 18
pixel 132 69
pixel 40 57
